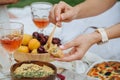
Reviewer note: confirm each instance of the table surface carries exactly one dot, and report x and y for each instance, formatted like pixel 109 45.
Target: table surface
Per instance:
pixel 99 21
pixel 68 74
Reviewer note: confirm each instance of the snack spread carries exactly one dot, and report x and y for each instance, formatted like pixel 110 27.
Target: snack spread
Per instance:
pixel 33 71
pixel 106 70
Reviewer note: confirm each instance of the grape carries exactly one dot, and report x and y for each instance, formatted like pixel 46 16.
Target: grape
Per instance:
pixel 41 35
pixel 59 44
pixel 41 49
pixel 35 35
pixel 56 41
pixel 46 38
pixel 43 41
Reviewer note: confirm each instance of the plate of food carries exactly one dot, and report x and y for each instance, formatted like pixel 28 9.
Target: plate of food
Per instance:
pixel 105 70
pixel 33 70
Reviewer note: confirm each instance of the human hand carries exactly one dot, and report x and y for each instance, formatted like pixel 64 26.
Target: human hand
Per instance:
pixel 62 12
pixel 79 46
pixel 3 2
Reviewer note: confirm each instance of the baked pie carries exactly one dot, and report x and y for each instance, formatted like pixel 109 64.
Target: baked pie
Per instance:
pixel 106 70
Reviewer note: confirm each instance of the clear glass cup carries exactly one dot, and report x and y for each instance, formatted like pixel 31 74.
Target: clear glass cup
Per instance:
pixel 10 38
pixel 40 13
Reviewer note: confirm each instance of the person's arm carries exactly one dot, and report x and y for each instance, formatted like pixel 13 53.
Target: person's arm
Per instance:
pixel 113 32
pixel 83 42
pixel 4 2
pixel 62 12
pixel 93 7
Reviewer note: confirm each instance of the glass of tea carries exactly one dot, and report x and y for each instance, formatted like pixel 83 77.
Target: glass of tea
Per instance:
pixel 10 38
pixel 40 13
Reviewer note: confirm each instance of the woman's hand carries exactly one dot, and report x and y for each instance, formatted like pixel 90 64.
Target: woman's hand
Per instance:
pixel 3 2
pixel 62 12
pixel 79 46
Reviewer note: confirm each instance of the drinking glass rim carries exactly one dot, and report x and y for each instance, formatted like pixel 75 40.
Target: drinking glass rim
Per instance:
pixel 48 3
pixel 42 3
pixel 6 28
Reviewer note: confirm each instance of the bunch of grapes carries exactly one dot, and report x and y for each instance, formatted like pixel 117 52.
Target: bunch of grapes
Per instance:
pixel 43 40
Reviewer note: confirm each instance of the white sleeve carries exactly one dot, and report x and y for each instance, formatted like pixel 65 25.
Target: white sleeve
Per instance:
pixel 4 17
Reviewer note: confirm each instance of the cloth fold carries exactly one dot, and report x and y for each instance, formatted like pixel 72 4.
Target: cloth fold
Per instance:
pixel 79 66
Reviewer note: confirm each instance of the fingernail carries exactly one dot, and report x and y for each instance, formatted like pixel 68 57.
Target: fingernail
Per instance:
pixel 57 19
pixel 58 24
pixel 62 47
pixel 57 59
pixel 62 17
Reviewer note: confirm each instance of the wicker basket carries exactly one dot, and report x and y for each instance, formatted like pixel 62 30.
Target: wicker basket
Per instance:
pixel 18 56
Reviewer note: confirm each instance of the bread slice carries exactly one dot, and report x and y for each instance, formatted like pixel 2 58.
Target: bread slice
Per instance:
pixel 54 50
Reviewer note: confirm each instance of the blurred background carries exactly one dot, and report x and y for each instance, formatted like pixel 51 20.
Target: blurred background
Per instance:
pixel 23 3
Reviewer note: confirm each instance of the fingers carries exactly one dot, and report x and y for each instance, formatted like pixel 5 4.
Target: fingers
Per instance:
pixel 70 53
pixel 62 12
pixel 59 9
pixel 68 45
pixel 56 11
pixel 53 18
pixel 74 54
pixel 52 15
pixel 59 24
pixel 69 57
pixel 67 16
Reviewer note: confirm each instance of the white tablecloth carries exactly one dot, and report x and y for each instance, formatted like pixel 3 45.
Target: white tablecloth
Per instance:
pixel 70 30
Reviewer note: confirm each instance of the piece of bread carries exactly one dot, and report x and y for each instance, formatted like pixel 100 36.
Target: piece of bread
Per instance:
pixel 54 50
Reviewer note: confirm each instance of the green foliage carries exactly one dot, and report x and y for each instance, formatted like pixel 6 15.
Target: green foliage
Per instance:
pixel 23 3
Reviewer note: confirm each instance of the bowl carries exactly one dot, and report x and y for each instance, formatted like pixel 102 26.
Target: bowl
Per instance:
pixel 19 57
pixel 40 63
pixel 104 69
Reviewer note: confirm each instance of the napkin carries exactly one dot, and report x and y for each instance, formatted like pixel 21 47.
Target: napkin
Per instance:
pixel 69 75
pixel 2 77
pixel 90 58
pixel 4 59
pixel 79 66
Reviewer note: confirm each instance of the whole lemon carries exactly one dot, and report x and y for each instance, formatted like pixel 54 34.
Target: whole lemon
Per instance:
pixel 26 39
pixel 33 44
pixel 34 51
pixel 23 49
